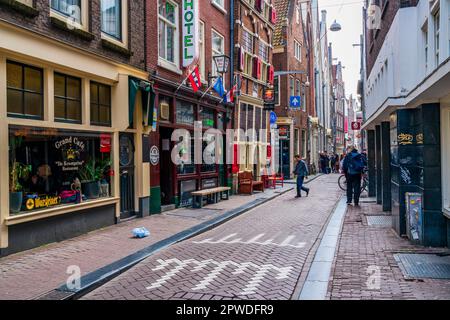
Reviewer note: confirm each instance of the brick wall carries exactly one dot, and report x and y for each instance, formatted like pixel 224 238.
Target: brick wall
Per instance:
pixel 212 17
pixel 42 24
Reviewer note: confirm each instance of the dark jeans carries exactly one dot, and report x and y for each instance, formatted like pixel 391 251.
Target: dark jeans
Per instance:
pixel 353 187
pixel 300 185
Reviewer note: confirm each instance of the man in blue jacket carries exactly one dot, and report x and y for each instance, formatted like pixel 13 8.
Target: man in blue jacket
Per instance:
pixel 353 165
pixel 301 171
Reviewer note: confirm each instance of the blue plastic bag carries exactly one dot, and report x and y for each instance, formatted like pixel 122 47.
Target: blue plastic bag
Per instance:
pixel 140 232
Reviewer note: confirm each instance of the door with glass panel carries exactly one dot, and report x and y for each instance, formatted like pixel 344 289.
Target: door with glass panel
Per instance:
pixel 126 170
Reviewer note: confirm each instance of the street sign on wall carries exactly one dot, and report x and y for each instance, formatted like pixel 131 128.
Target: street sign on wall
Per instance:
pixel 295 102
pixel 190 32
pixel 356 125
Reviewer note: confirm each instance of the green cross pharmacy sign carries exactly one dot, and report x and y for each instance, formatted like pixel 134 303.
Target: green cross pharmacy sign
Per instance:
pixel 190 32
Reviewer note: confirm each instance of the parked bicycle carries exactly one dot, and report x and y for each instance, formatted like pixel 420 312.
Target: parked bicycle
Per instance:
pixel 364 182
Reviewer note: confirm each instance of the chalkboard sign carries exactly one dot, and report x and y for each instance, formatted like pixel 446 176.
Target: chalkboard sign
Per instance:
pixel 145 148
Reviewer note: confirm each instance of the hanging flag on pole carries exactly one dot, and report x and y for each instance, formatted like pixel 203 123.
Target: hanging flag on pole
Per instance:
pixel 195 80
pixel 229 97
pixel 218 87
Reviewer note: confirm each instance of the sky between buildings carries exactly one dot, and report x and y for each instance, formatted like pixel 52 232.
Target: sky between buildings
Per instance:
pixel 349 14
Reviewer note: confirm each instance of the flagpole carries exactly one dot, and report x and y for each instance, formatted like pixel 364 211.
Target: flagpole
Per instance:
pixel 206 91
pixel 182 83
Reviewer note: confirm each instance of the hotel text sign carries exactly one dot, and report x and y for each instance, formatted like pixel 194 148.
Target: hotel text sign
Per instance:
pixel 190 32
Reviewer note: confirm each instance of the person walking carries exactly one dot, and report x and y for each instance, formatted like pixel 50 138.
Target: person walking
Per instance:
pixel 301 171
pixel 333 162
pixel 353 166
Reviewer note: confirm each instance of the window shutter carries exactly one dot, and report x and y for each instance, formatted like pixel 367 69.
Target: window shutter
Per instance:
pixel 258 5
pixel 273 15
pixel 255 67
pixel 241 59
pixel 271 74
pixel 259 65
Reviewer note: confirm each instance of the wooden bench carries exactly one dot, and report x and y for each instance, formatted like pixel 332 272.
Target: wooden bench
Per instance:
pixel 246 183
pixel 213 195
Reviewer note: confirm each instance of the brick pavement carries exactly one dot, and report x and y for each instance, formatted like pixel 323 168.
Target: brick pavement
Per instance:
pixel 362 246
pixel 35 272
pixel 258 255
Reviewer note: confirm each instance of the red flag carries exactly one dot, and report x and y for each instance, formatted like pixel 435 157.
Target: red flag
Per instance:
pixel 195 80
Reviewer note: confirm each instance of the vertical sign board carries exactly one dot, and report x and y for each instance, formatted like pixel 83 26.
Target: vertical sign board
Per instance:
pixel 190 32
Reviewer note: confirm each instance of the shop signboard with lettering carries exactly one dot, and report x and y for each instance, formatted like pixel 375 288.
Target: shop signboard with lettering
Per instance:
pixel 190 49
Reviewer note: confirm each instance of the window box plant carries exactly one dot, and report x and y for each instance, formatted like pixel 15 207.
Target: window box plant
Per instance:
pixel 91 174
pixel 17 172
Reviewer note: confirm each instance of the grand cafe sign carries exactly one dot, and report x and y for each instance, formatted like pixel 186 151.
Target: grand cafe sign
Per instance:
pixel 190 32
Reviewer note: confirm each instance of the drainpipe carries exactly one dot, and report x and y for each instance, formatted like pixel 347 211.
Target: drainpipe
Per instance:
pixel 231 81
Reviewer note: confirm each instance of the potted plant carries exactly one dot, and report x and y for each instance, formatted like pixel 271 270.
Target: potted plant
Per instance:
pixel 17 171
pixel 90 175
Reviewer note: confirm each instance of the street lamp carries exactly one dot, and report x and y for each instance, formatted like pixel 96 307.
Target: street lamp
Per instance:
pixel 335 26
pixel 221 62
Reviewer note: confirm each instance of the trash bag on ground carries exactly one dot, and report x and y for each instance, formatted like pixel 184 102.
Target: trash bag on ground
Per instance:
pixel 140 232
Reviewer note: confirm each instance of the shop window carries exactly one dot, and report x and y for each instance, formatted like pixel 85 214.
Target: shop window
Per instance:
pixel 207 116
pixel 24 91
pixel 221 121
pixel 100 104
pixel 185 113
pixel 186 166
pixel 186 189
pixel 67 98
pixel 52 167
pixel 205 166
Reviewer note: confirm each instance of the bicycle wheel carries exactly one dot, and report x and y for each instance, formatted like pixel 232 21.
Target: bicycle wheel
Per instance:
pixel 342 182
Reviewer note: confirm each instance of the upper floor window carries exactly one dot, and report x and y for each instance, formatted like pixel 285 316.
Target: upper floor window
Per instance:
pixel 112 18
pixel 168 32
pixel 437 22
pixel 247 39
pixel 67 98
pixel 276 88
pixel 70 8
pixel 217 45
pixel 24 90
pixel 219 3
pixel 298 51
pixel 264 51
pixel 201 48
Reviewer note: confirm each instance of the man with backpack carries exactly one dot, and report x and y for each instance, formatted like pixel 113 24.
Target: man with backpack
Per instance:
pixel 301 171
pixel 353 166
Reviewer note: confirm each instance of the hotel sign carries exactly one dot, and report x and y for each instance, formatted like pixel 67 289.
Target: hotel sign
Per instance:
pixel 190 32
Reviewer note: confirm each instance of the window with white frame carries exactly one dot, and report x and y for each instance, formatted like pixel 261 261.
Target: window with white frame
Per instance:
pixel 201 48
pixel 247 45
pixel 425 40
pixel 297 50
pixel 247 41
pixel 437 22
pixel 297 14
pixel 297 88
pixel 111 11
pixel 266 9
pixel 168 31
pixel 263 53
pixel 218 48
pixel 69 8
pixel 219 3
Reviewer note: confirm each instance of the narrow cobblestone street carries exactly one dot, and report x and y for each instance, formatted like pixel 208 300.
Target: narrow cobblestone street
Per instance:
pixel 259 255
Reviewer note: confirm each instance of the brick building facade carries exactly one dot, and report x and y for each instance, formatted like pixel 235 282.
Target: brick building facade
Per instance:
pixel 291 55
pixel 176 103
pixel 68 75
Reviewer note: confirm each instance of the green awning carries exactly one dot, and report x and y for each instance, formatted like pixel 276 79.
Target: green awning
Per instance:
pixel 148 100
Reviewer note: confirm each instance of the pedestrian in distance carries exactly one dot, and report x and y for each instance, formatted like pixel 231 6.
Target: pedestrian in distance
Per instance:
pixel 333 163
pixel 353 166
pixel 301 171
